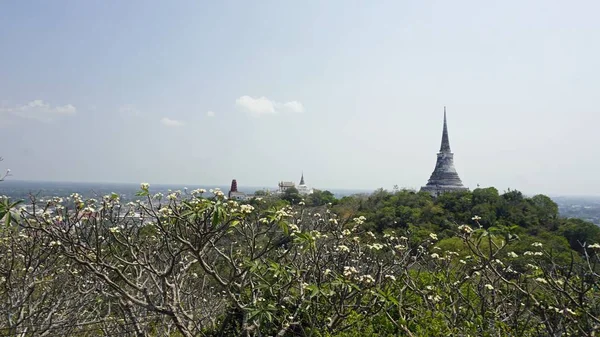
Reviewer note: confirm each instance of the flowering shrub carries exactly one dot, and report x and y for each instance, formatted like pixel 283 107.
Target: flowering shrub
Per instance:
pixel 200 264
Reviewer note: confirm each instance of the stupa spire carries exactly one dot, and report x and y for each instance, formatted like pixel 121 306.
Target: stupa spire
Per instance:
pixel 302 179
pixel 445 147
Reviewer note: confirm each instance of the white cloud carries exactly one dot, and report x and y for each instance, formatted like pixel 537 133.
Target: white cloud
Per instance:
pixel 293 106
pixel 40 110
pixel 171 122
pixel 129 109
pixel 259 106
pixel 210 114
pixel 256 106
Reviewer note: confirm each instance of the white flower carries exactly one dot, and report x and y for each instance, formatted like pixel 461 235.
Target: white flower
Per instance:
pixel 144 186
pixel 198 191
pixel 114 230
pixel 466 229
pixel 172 196
pixel 391 277
pixel 489 287
pixel 366 278
pixel 435 256
pixel 541 280
pixel 537 244
pixel 475 218
pixel 246 209
pixel 342 248
pixel 594 246
pixel 282 213
pixel 528 253
pixel 435 298
pixel 349 271
pixel 346 232
pixel 327 271
pixel 512 254
pixel 375 246
pixel 433 236
pixel 165 211
pixel 360 220
pixel 294 227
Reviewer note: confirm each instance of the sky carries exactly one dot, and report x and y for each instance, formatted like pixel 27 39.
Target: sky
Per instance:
pixel 349 92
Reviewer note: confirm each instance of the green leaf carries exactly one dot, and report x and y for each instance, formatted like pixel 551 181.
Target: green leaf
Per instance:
pixel 284 227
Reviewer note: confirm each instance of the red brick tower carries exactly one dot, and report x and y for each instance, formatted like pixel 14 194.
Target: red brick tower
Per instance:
pixel 233 187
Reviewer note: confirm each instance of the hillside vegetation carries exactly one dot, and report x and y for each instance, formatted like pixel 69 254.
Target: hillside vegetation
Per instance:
pixel 389 264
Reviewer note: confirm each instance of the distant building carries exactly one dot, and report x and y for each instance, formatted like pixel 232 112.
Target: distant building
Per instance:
pixel 302 188
pixel 285 185
pixel 234 193
pixel 444 177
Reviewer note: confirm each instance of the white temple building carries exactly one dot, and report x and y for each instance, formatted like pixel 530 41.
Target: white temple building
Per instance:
pixel 303 188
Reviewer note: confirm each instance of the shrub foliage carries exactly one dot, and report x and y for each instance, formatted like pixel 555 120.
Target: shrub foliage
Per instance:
pixel 402 263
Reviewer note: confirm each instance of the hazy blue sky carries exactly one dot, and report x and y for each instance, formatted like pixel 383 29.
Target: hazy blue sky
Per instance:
pixel 351 92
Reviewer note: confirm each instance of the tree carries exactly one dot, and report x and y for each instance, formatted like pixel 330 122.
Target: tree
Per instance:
pixel 546 209
pixel 207 266
pixel 261 193
pixel 580 233
pixel 292 196
pixel 320 198
pixel 486 196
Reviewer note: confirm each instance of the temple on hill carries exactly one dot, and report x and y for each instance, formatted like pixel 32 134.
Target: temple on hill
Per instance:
pixel 234 193
pixel 444 177
pixel 303 188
